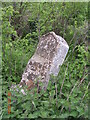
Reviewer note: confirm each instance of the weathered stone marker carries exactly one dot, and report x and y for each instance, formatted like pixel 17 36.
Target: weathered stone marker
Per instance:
pixel 50 54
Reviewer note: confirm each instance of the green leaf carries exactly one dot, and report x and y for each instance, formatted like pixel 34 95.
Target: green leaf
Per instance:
pixel 44 114
pixel 65 115
pixel 62 101
pixel 74 113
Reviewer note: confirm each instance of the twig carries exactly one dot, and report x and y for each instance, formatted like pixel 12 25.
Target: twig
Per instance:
pixel 56 93
pixel 70 94
pixel 72 51
pixel 82 80
pixel 85 91
pixel 63 80
pixel 73 38
pixel 74 44
pixel 73 89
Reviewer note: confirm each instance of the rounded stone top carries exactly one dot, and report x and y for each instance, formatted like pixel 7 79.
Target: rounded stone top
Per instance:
pixel 57 37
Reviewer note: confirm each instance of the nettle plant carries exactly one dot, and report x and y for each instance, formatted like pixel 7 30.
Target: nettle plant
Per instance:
pixel 66 95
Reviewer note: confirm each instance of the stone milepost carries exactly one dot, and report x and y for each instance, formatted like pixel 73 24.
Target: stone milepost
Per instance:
pixel 50 54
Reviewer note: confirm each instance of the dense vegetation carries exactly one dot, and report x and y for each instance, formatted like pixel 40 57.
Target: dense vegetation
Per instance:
pixel 22 26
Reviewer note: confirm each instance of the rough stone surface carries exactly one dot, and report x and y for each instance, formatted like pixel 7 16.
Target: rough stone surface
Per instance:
pixel 50 54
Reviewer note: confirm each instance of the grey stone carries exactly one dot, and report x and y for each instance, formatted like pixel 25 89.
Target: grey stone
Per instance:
pixel 50 54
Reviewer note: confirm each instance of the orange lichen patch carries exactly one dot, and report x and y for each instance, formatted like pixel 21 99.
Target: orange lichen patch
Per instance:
pixel 9 93
pixel 9 102
pixel 30 84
